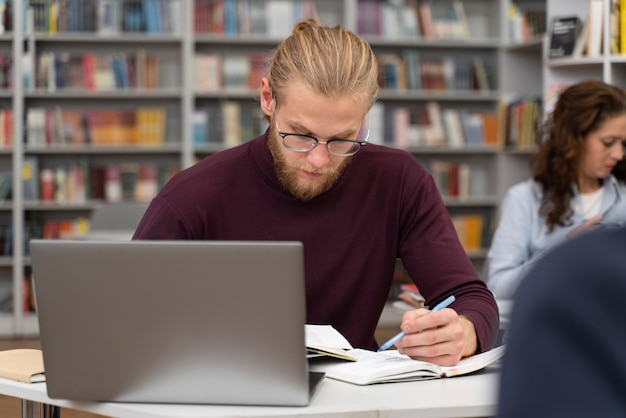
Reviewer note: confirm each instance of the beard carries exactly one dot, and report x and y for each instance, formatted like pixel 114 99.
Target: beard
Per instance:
pixel 288 175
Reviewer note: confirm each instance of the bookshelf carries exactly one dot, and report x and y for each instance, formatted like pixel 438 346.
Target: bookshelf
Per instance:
pixel 521 81
pixel 609 65
pixel 138 71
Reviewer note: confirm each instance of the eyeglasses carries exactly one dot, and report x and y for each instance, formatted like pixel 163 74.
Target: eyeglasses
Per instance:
pixel 305 143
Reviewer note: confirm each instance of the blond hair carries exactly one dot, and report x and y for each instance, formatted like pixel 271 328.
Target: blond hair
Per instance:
pixel 331 61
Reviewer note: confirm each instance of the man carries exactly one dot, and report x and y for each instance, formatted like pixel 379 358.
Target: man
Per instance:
pixel 565 344
pixel 355 207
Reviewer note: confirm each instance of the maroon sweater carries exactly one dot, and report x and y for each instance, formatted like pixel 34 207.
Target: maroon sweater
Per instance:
pixel 384 206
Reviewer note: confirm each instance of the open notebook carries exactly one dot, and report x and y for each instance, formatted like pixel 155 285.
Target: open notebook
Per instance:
pixel 173 321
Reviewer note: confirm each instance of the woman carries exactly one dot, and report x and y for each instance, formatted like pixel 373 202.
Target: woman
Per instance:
pixel 577 184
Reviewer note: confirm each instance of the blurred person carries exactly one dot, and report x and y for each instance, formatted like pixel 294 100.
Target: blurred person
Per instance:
pixel 564 355
pixel 577 183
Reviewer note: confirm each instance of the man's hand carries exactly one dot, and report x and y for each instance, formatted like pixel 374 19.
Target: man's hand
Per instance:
pixel 441 337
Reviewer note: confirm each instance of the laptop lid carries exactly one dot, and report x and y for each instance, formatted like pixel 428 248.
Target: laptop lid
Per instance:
pixel 218 322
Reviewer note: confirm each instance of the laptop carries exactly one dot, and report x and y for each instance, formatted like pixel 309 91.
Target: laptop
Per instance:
pixel 202 322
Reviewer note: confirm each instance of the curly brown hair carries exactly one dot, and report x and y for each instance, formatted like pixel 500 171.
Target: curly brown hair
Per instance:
pixel 580 110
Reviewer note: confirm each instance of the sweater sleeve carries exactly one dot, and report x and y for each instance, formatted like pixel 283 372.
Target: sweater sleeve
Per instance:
pixel 437 262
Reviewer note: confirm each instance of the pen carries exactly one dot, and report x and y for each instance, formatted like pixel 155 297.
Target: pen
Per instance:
pixel 609 224
pixel 443 304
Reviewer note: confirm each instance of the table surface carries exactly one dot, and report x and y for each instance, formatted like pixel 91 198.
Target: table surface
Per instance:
pixel 463 396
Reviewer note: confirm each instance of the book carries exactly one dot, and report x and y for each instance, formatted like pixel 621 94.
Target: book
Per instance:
pixel 324 340
pixel 615 26
pixel 22 364
pixel 30 177
pixel 390 366
pixel 594 43
pixel 622 27
pixel 563 35
pixel 3 11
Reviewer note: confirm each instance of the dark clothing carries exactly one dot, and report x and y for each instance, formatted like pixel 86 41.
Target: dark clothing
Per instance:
pixel 385 205
pixel 565 346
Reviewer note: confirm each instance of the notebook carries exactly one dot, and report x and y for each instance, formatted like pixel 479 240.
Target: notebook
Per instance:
pixel 208 322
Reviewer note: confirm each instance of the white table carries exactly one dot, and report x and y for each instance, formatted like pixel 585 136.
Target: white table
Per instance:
pixel 466 396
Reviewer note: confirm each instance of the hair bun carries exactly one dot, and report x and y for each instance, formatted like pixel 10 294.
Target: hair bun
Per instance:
pixel 303 24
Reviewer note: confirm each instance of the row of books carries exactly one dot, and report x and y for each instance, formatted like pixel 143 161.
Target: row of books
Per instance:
pixel 526 22
pixel 452 178
pixel 441 19
pixel 63 184
pixel 35 228
pixel 97 72
pixel 522 121
pixel 271 18
pixel 228 123
pixel 54 126
pixel 106 17
pixel 474 230
pixel 75 183
pixel 408 70
pixel 575 36
pixel 6 294
pixel 215 72
pixel 430 125
pixel 411 71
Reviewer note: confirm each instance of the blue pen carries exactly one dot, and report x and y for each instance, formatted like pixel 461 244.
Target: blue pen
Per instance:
pixel 443 304
pixel 607 224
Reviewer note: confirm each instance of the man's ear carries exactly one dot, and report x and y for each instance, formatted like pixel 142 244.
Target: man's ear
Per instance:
pixel 267 97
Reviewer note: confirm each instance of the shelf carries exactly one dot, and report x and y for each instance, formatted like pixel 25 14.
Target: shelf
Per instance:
pixel 135 94
pixel 471 202
pixel 440 95
pixel 439 44
pixel 575 62
pixel 94 38
pixel 228 95
pixel 524 151
pixel 478 150
pixel 478 254
pixel 58 207
pixel 532 45
pixel 164 149
pixel 241 40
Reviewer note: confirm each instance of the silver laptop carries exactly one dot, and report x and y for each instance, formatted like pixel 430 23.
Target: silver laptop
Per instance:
pixel 210 322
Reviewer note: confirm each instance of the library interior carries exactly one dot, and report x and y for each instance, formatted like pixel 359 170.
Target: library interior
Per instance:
pixel 102 102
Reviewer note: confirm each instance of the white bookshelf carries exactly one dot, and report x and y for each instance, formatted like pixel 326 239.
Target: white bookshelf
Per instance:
pixel 511 69
pixel 607 67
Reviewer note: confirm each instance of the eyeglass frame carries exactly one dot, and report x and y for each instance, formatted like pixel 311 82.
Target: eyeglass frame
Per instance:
pixel 316 141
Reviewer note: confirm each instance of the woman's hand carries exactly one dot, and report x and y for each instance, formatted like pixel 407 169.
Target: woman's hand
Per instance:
pixel 587 226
